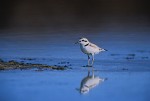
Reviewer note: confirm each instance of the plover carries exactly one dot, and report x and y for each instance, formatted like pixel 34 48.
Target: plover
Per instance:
pixel 90 49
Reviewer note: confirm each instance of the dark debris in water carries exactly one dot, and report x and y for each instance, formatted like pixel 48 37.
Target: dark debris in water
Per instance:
pixel 145 57
pixel 64 62
pixel 132 55
pixel 19 65
pixel 129 58
pixel 114 54
pixel 141 51
pixel 124 69
pixel 28 59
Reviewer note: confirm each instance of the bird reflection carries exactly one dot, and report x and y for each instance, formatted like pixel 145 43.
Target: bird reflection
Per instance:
pixel 89 82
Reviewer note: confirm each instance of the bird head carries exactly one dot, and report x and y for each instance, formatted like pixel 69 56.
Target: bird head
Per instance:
pixel 83 41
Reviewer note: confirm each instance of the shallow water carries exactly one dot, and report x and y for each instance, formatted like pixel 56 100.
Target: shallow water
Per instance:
pixel 125 66
pixel 47 44
pixel 17 85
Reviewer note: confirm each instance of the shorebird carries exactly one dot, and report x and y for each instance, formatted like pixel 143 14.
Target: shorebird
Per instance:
pixel 90 49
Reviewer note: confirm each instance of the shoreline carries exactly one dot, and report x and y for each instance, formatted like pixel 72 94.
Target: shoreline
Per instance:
pixel 12 64
pixel 66 64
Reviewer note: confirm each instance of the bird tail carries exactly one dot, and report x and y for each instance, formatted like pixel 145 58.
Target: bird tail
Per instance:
pixel 103 49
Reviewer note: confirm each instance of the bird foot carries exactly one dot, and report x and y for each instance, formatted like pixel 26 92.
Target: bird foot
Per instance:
pixel 89 66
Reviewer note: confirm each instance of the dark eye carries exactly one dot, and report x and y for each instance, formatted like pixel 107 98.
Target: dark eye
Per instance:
pixel 85 41
pixel 82 40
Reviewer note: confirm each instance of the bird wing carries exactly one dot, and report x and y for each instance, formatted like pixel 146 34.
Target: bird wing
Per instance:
pixel 94 46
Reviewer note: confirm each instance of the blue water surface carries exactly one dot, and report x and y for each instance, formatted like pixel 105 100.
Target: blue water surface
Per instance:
pixel 31 85
pixel 126 65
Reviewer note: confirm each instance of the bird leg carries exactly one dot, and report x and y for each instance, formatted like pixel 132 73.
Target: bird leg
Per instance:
pixel 92 60
pixel 88 60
